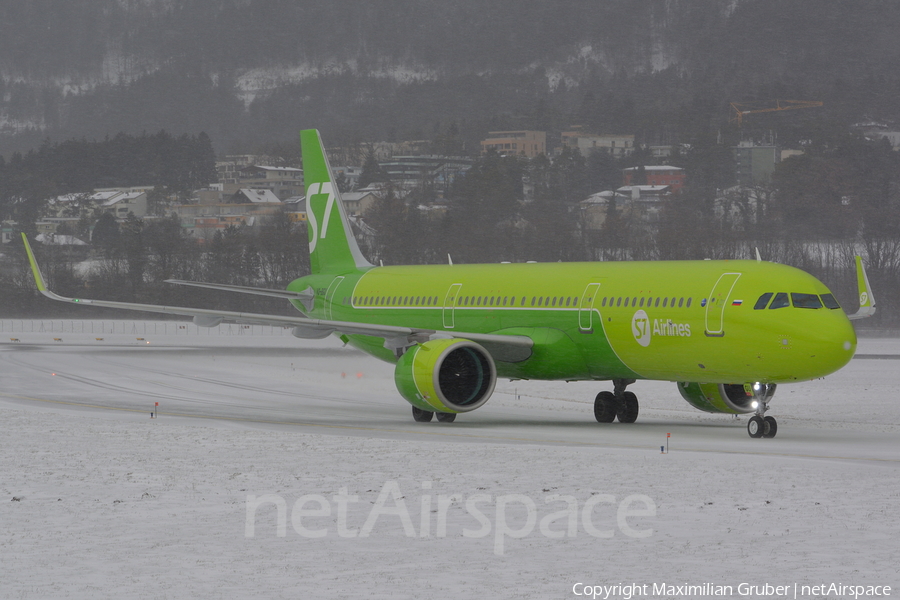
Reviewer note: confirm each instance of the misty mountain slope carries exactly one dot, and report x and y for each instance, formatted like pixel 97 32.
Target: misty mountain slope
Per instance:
pixel 248 70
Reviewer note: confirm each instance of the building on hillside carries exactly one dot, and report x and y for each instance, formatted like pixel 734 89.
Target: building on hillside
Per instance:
pixel 412 172
pixel 7 231
pixel 615 144
pixel 638 202
pixel 121 204
pixel 755 164
pixel 656 175
pixel 53 239
pixel 358 202
pixel 212 194
pixel 351 174
pixel 244 196
pixel 516 143
pixel 247 208
pixel 295 209
pixel 116 201
pixel 879 131
pixel 229 170
pixel 284 182
pixel 594 210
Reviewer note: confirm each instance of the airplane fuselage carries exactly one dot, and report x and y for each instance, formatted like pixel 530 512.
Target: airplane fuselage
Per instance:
pixel 676 321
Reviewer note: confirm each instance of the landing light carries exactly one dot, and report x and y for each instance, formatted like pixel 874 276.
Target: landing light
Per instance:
pixel 754 404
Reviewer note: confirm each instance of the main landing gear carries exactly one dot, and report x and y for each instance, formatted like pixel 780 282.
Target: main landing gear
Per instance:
pixel 608 406
pixel 425 416
pixel 759 424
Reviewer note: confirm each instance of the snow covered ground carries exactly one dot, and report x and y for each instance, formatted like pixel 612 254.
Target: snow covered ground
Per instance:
pixel 284 468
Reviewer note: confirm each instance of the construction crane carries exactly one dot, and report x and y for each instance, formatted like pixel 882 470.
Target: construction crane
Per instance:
pixel 747 108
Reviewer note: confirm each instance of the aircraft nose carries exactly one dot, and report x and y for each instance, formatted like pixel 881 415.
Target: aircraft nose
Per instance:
pixel 833 344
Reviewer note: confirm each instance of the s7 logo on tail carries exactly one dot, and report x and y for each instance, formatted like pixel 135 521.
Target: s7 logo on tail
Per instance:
pixel 313 203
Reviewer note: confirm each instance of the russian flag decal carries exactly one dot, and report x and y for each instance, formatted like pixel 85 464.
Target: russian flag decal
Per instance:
pixel 737 302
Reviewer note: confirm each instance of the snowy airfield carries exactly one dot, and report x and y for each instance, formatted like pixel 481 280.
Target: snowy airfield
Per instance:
pixel 285 468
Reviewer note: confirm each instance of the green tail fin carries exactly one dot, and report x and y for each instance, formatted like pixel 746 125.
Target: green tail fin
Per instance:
pixel 332 247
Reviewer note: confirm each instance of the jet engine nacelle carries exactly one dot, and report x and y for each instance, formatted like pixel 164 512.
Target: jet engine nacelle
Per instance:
pixel 731 398
pixel 446 375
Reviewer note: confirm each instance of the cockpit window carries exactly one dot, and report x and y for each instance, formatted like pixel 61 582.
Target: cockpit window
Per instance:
pixel 781 301
pixel 763 300
pixel 829 301
pixel 806 300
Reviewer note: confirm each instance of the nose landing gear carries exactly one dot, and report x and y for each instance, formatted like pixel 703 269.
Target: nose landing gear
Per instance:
pixel 759 424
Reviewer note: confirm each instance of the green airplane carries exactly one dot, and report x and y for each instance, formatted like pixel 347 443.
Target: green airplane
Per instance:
pixel 726 332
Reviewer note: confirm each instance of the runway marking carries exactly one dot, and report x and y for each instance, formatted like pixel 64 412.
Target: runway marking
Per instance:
pixel 448 434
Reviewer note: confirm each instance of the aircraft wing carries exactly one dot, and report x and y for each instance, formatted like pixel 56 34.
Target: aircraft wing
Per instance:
pixel 507 348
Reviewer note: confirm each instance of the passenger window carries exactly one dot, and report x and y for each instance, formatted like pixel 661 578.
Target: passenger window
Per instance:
pixel 680 302
pixel 830 302
pixel 619 301
pixel 763 301
pixel 604 301
pixel 688 305
pixel 780 301
pixel 665 302
pixel 533 300
pixel 626 301
pixel 806 300
pixel 656 305
pixel 540 300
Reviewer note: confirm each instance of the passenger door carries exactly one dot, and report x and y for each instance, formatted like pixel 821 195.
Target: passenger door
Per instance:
pixel 716 303
pixel 586 308
pixel 450 305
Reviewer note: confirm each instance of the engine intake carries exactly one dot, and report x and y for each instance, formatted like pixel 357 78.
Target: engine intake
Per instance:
pixel 446 375
pixel 731 398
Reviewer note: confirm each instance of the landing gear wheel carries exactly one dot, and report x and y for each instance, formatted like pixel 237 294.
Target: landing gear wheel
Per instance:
pixel 422 416
pixel 756 426
pixel 446 417
pixel 605 407
pixel 628 408
pixel 771 427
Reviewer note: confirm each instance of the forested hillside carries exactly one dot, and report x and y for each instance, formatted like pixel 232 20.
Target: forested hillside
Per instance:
pixel 253 71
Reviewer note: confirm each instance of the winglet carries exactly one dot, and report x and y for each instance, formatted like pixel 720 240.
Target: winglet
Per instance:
pixel 39 277
pixel 35 269
pixel 866 297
